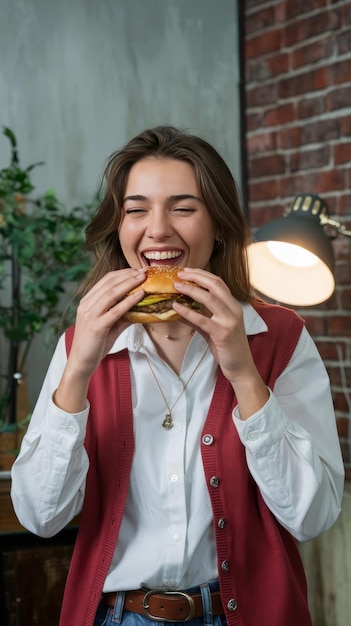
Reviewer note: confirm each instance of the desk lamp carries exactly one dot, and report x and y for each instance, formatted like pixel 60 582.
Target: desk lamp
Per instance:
pixel 291 259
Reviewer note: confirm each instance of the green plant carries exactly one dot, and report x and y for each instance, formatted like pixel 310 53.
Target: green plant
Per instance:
pixel 41 254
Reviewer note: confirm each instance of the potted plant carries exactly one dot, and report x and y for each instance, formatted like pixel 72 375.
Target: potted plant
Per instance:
pixel 41 255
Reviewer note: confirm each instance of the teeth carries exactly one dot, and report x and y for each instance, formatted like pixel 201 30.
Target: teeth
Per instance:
pixel 161 256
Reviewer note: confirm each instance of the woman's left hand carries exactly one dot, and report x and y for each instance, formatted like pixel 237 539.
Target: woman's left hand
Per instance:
pixel 221 322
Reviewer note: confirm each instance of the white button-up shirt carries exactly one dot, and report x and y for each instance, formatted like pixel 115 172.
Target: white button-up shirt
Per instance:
pixel 166 538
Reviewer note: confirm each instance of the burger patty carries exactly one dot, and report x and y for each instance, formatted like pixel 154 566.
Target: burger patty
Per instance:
pixel 166 305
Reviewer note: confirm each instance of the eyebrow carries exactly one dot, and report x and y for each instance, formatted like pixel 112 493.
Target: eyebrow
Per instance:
pixel 176 197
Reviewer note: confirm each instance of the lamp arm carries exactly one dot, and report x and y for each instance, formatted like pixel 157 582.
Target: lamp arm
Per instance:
pixel 339 227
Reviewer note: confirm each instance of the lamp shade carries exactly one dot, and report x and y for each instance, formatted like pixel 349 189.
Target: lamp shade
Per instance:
pixel 291 259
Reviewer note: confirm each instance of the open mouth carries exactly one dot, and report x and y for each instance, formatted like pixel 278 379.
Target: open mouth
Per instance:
pixel 162 257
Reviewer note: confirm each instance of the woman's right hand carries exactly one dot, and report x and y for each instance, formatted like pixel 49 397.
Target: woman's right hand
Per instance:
pixel 99 322
pixel 100 314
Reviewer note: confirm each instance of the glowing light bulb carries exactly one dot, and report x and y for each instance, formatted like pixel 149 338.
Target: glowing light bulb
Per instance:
pixel 291 254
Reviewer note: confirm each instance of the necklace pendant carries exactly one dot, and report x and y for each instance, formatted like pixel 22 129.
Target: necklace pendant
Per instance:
pixel 167 423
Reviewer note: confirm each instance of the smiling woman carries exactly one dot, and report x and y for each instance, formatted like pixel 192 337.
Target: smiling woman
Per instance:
pixel 184 446
pixel 165 173
pixel 164 217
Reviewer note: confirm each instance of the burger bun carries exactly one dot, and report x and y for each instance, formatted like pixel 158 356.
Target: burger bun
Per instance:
pixel 159 281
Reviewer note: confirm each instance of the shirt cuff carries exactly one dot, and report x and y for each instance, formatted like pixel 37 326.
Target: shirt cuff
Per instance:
pixel 62 425
pixel 264 427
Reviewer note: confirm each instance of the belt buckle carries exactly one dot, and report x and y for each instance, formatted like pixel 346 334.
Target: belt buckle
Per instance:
pixel 152 592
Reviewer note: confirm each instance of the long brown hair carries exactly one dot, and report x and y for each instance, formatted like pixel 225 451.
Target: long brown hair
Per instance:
pixel 219 192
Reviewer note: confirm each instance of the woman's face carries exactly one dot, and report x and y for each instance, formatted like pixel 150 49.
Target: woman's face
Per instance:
pixel 164 219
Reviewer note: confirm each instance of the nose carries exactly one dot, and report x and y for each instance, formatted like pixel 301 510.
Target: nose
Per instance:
pixel 159 225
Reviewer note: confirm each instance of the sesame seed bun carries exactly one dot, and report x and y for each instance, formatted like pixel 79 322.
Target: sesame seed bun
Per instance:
pixel 156 306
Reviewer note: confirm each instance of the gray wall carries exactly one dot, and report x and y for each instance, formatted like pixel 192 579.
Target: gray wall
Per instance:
pixel 80 77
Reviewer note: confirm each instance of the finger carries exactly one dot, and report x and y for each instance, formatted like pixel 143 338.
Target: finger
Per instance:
pixel 192 317
pixel 112 288
pixel 103 319
pixel 207 298
pixel 127 279
pixel 213 291
pixel 205 279
pixel 221 312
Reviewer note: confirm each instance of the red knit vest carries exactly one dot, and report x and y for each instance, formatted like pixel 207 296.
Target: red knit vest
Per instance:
pixel 258 561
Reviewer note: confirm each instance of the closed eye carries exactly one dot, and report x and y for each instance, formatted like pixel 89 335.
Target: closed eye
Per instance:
pixel 134 210
pixel 184 209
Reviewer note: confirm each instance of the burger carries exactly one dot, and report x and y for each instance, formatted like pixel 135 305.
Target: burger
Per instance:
pixel 160 293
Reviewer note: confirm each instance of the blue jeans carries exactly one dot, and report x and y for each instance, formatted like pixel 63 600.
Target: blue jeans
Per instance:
pixel 108 616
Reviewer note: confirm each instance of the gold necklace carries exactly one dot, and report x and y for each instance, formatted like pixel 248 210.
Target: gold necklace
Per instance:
pixel 168 421
pixel 170 336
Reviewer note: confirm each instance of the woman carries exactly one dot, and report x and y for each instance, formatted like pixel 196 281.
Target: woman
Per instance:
pixel 193 517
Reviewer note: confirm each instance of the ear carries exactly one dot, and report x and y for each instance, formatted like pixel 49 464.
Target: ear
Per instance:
pixel 219 239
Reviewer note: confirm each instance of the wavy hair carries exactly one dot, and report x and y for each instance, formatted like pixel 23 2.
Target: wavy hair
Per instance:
pixel 218 190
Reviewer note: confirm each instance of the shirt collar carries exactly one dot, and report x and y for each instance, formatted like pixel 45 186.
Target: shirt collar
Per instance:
pixel 135 336
pixel 254 323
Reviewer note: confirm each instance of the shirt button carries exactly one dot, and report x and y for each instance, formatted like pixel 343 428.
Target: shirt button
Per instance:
pixel 252 436
pixel 221 522
pixel 232 605
pixel 207 440
pixel 177 428
pixel 225 566
pixel 176 537
pixel 71 429
pixel 174 478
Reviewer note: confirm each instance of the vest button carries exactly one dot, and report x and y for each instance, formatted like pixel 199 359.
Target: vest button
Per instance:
pixel 214 481
pixel 207 439
pixel 232 605
pixel 222 522
pixel 225 566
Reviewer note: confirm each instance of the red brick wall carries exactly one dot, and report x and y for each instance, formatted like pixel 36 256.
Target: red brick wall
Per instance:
pixel 298 139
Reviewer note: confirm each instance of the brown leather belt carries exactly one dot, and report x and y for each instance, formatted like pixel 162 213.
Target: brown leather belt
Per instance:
pixel 166 606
